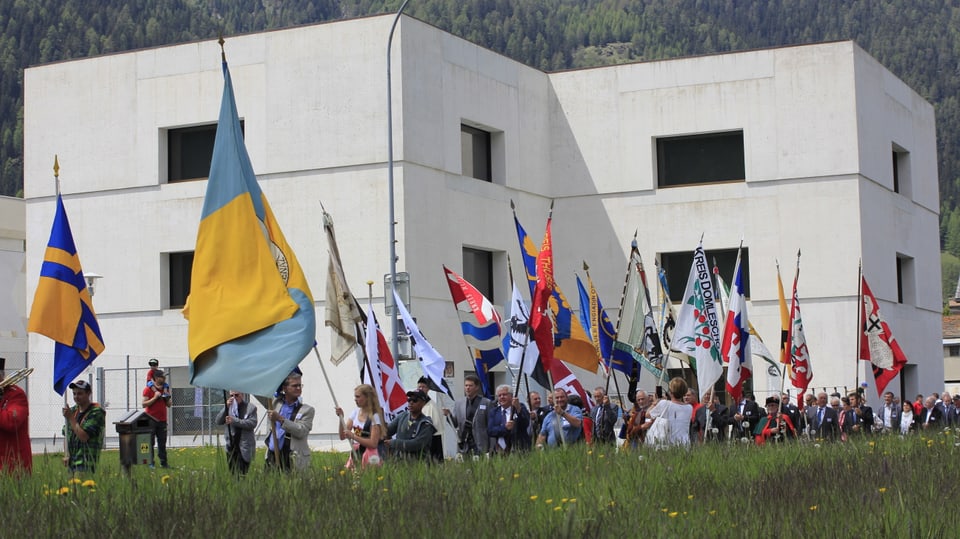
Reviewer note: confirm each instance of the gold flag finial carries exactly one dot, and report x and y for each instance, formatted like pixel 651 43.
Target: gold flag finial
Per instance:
pixel 56 166
pixel 223 54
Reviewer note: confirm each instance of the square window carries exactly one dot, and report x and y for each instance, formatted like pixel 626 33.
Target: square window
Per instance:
pixel 695 159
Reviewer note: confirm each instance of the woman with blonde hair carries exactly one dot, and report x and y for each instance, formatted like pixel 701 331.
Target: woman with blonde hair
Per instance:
pixel 670 419
pixel 365 427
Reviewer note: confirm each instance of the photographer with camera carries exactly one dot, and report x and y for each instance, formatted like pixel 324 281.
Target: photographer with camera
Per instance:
pixel 156 400
pixel 470 418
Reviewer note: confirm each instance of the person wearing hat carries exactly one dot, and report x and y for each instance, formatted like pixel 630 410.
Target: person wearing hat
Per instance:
pixel 154 365
pixel 85 428
pixel 410 433
pixel 292 421
pixel 156 400
pixel 432 410
pixel 15 453
pixel 776 426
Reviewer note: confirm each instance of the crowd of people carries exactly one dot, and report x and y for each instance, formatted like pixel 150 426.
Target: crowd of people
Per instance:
pixel 483 427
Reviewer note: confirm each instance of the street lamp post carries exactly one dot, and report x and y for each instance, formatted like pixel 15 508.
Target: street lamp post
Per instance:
pixel 393 222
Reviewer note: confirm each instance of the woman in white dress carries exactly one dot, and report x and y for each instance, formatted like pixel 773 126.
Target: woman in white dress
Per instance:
pixel 365 427
pixel 670 419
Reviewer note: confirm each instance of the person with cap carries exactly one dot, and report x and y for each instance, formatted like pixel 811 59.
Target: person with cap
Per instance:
pixel 16 455
pixel 156 400
pixel 240 418
pixel 86 423
pixel 292 421
pixel 410 433
pixel 154 365
pixel 776 426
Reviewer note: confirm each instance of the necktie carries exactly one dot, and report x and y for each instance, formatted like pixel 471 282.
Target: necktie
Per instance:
pixel 820 416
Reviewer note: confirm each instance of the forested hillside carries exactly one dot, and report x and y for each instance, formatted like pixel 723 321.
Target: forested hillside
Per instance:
pixel 919 40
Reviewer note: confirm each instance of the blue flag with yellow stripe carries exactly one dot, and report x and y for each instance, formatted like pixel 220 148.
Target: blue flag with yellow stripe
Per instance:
pixel 62 308
pixel 250 311
pixel 571 342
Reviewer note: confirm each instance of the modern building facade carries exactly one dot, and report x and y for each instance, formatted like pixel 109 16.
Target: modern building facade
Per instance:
pixel 13 282
pixel 817 149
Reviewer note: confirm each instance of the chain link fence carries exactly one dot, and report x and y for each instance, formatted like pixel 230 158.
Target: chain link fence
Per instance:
pixel 118 384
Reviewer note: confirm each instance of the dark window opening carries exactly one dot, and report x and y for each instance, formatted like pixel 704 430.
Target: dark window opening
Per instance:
pixel 716 157
pixel 478 270
pixel 189 152
pixel 181 265
pixel 677 269
pixel 475 153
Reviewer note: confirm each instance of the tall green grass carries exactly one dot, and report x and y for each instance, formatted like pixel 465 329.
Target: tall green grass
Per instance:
pixel 884 486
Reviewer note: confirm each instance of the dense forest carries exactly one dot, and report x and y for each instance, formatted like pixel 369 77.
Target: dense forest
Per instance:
pixel 919 40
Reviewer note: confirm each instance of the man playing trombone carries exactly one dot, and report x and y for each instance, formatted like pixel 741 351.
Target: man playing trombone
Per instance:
pixel 15 453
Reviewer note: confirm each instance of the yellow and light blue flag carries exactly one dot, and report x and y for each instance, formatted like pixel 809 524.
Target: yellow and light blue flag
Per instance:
pixel 62 308
pixel 250 311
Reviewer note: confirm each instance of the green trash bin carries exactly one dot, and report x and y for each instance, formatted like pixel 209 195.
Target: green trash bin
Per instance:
pixel 134 431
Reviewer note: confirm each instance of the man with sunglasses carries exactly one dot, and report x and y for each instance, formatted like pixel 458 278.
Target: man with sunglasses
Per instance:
pixel 410 433
pixel 240 419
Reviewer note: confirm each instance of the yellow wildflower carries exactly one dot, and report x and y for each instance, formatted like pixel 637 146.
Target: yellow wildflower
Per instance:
pixel 516 475
pixel 549 501
pixel 165 479
pixel 673 514
pixel 882 490
pixel 534 497
pixel 63 490
pixel 573 500
pixel 74 481
pixel 690 496
pixel 558 508
pixel 813 507
pixel 89 483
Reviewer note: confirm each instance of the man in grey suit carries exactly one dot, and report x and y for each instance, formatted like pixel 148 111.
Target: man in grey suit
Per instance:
pixel 240 417
pixel 292 421
pixel 470 418
pixel 827 422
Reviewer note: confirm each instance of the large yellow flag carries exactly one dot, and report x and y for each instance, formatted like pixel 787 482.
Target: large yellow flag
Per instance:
pixel 250 310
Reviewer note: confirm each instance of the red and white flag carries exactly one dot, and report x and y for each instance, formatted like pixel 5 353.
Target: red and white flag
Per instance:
pixel 735 344
pixel 877 344
pixel 563 378
pixel 393 398
pixel 800 371
pixel 468 298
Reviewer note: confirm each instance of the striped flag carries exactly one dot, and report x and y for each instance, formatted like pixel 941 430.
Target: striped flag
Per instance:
pixel 62 308
pixel 735 345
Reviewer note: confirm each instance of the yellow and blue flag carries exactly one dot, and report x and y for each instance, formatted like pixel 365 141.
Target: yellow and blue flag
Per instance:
pixel 571 342
pixel 62 308
pixel 250 311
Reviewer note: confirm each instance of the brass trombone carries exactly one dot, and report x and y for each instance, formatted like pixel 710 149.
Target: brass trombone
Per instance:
pixel 15 378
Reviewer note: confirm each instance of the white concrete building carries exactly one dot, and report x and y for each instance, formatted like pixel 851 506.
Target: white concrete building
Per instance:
pixel 13 282
pixel 816 148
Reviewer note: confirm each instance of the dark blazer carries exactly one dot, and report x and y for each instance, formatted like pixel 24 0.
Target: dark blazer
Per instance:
pixel 827 427
pixel 604 418
pixel 751 414
pixel 790 410
pixel 865 419
pixel 515 438
pixel 718 420
pixel 936 418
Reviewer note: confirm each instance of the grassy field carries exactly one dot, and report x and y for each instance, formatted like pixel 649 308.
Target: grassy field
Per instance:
pixel 882 486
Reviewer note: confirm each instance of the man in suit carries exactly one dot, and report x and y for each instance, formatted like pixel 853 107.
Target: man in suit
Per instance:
pixel 931 417
pixel 470 418
pixel 809 416
pixel 240 418
pixel 507 423
pixel 953 417
pixel 790 409
pixel 746 411
pixel 826 421
pixel 862 415
pixel 292 421
pixel 605 415
pixel 719 420
pixel 537 413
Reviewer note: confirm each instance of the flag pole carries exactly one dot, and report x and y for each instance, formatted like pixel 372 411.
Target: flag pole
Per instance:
pixel 366 358
pixel 661 281
pixel 484 379
pixel 523 351
pixel 646 294
pixel 66 422
pixel 860 321
pixel 325 377
pixel 634 368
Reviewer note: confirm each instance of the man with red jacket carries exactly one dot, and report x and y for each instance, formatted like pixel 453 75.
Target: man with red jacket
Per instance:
pixel 15 453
